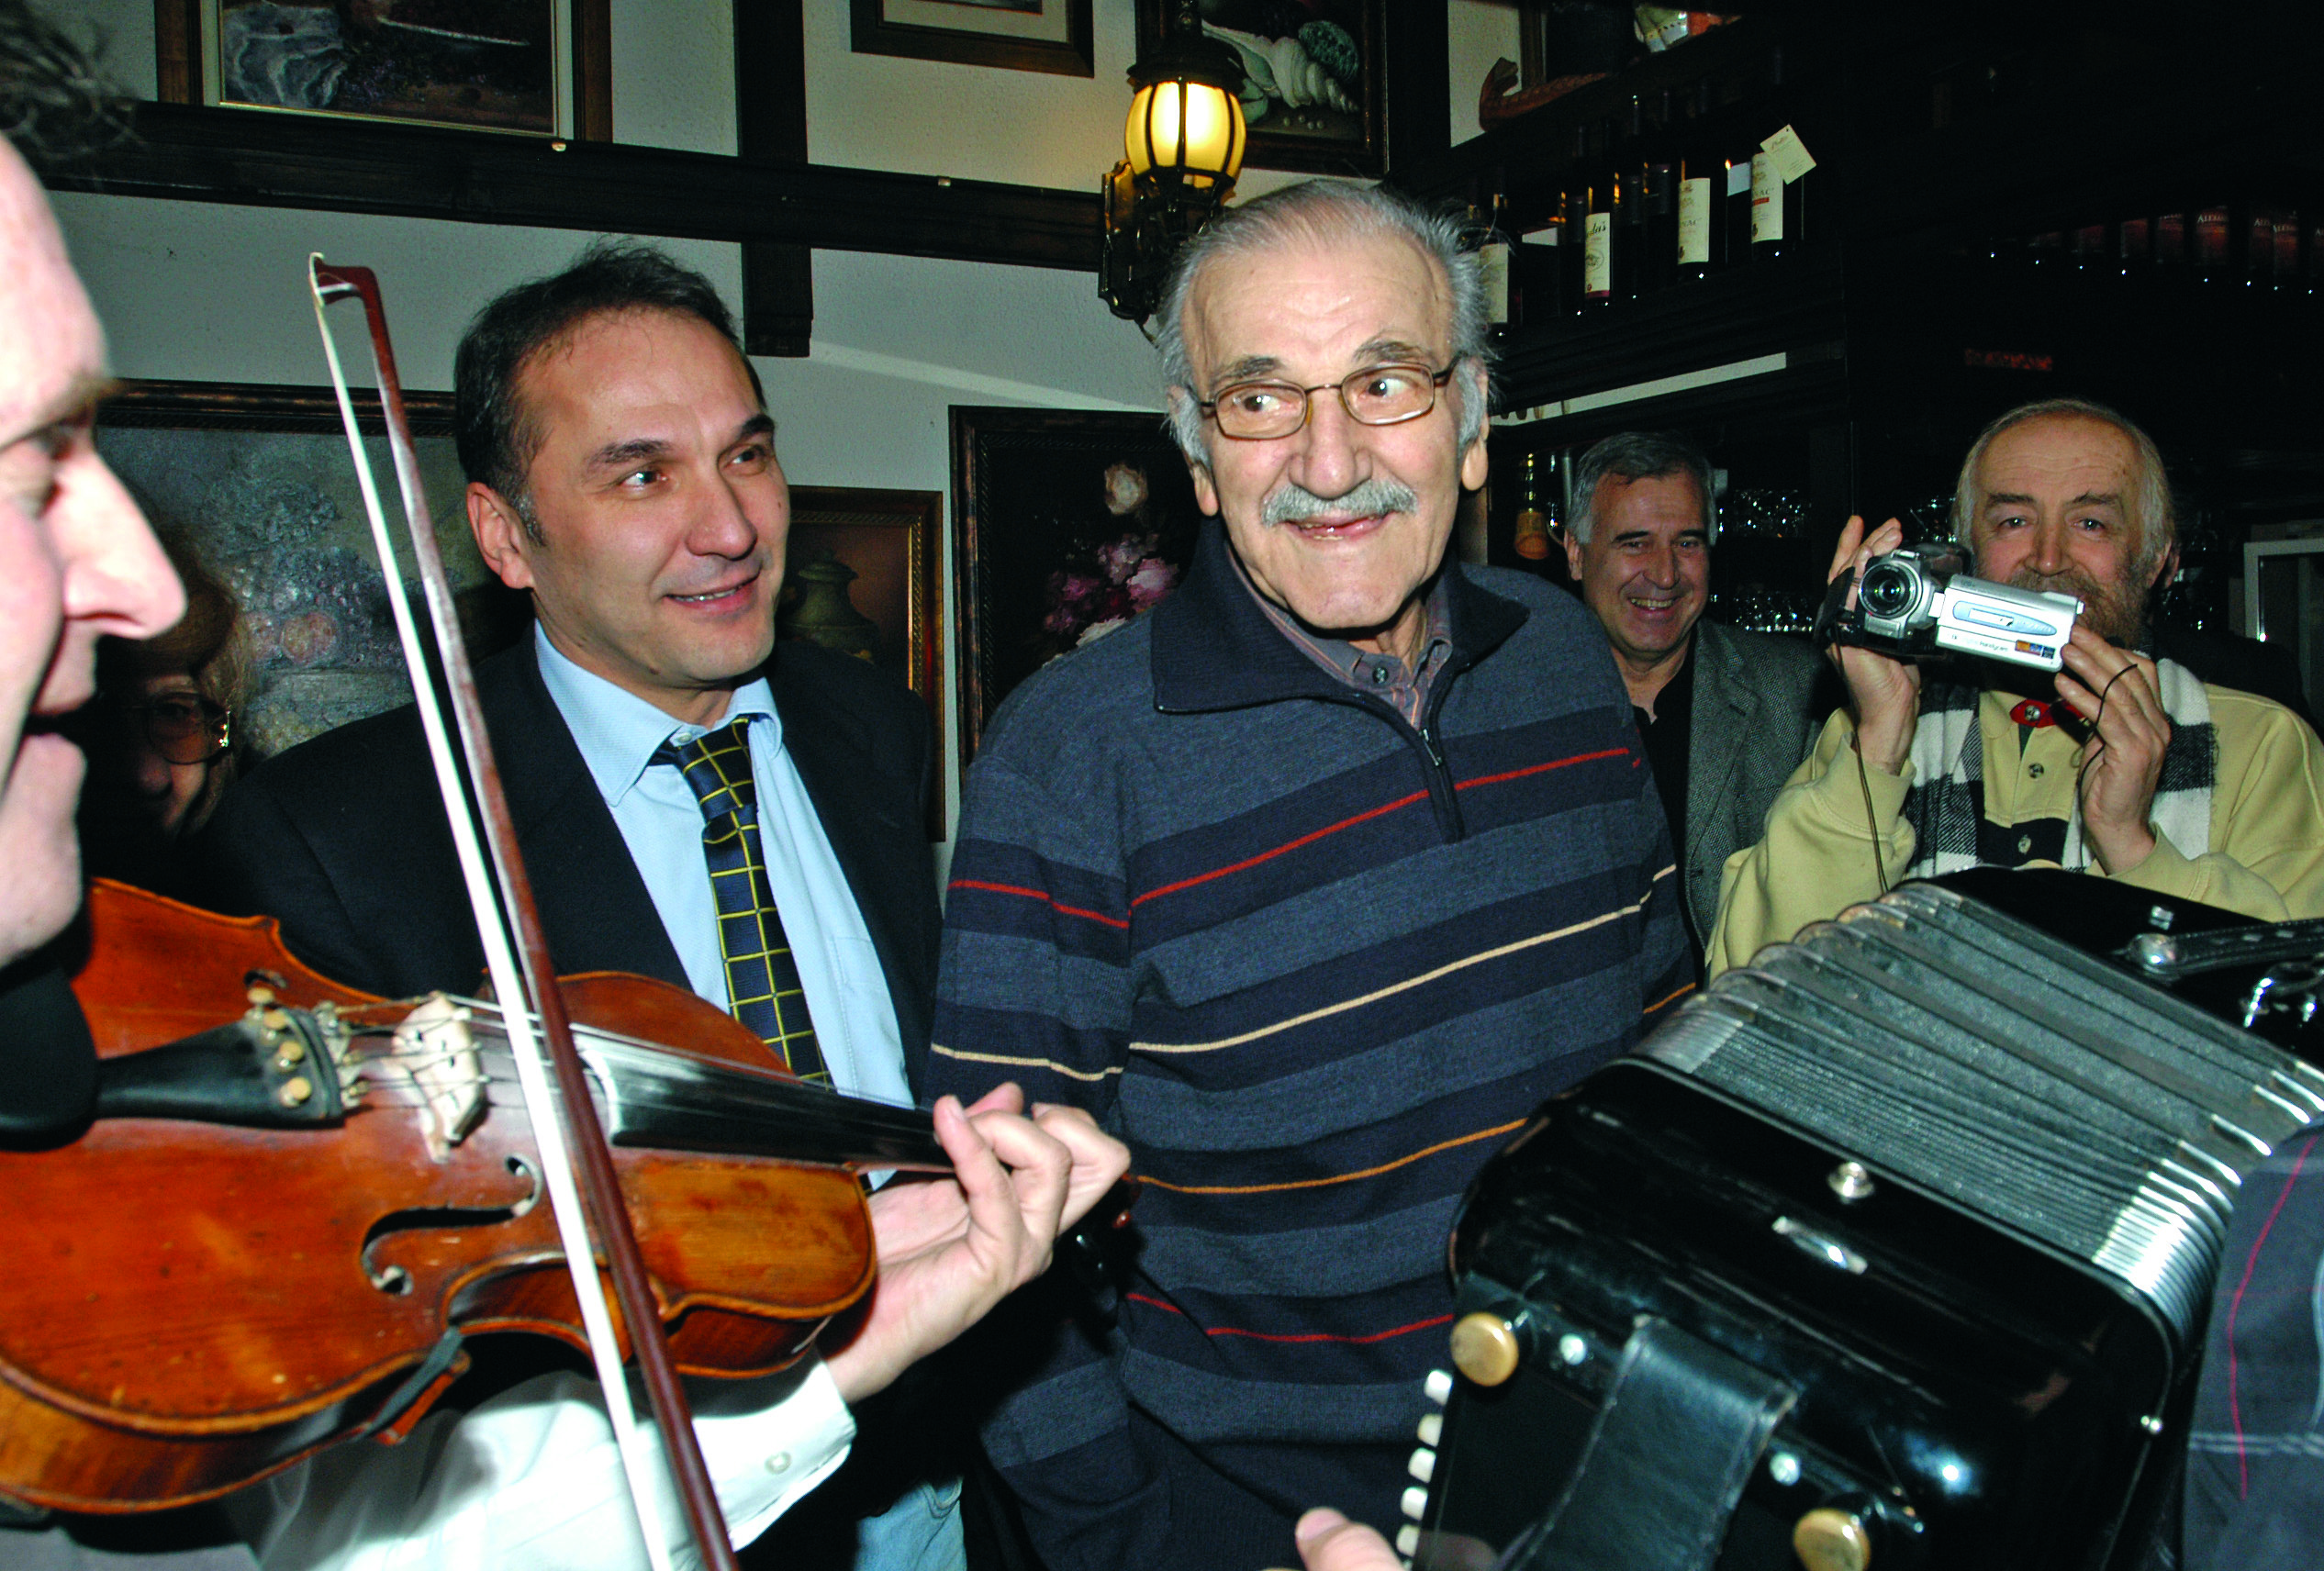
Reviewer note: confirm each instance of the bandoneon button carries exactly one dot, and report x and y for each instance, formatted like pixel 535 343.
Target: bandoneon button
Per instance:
pixel 1829 1539
pixel 1484 1348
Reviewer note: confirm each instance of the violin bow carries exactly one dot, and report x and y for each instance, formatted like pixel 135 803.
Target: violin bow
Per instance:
pixel 565 1123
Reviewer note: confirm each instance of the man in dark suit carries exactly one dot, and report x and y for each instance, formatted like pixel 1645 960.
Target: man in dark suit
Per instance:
pixel 692 804
pixel 1726 715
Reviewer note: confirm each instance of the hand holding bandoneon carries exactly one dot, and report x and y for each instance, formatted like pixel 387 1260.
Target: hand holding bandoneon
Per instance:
pixel 950 1249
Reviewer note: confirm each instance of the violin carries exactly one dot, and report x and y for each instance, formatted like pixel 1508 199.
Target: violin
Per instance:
pixel 296 1199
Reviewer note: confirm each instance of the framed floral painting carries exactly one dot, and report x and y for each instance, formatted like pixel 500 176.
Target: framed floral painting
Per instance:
pixel 1315 78
pixel 1067 524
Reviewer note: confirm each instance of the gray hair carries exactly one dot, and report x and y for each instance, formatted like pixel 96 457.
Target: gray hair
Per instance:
pixel 54 105
pixel 2150 500
pixel 1327 210
pixel 1639 456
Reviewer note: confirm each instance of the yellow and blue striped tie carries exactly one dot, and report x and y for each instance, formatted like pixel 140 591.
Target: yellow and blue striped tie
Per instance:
pixel 762 979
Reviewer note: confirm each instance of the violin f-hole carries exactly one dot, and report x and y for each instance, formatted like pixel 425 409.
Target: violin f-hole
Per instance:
pixel 393 1278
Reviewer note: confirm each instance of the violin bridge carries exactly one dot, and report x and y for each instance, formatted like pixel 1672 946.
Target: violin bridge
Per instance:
pixel 437 1052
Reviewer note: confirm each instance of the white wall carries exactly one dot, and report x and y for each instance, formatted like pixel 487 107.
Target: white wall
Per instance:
pixel 1479 32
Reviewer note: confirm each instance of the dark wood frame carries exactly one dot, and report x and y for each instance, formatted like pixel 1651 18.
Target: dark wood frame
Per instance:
pixel 921 513
pixel 260 407
pixel 1076 56
pixel 177 50
pixel 201 154
pixel 1273 151
pixel 971 426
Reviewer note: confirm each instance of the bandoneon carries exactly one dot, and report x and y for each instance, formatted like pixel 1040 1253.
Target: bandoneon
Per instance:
pixel 1892 1248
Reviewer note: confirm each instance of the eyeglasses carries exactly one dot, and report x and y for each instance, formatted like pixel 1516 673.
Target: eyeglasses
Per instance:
pixel 185 727
pixel 1377 395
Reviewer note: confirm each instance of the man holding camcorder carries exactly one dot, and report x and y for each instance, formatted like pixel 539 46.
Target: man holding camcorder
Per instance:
pixel 2117 763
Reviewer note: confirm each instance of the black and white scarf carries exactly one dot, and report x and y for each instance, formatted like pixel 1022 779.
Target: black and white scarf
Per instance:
pixel 1946 805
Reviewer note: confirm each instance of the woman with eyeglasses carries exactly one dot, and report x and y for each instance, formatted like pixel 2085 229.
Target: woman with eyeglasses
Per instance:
pixel 161 751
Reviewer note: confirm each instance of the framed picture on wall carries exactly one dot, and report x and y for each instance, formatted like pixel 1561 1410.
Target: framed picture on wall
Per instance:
pixel 1016 35
pixel 859 576
pixel 255 482
pixel 1314 79
pixel 531 67
pixel 1069 524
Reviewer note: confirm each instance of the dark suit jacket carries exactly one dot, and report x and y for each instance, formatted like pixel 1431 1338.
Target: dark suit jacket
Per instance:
pixel 345 842
pixel 1760 701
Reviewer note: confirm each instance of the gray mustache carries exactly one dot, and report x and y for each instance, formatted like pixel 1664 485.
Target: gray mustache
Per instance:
pixel 1291 503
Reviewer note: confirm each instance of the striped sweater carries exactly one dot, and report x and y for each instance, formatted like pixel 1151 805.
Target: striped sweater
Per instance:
pixel 1314 964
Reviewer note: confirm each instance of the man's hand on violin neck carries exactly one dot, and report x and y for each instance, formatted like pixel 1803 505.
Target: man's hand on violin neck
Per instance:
pixel 950 1249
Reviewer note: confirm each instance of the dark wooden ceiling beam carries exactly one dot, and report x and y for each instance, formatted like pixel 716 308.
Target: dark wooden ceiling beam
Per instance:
pixel 253 158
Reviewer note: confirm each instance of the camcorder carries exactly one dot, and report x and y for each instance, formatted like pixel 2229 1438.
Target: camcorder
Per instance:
pixel 1919 602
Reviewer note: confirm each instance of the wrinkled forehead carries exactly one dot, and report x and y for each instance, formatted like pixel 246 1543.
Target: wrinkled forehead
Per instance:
pixel 2057 459
pixel 1317 300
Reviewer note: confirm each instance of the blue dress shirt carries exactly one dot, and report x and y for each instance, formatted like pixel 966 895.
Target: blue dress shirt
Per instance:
pixel 660 821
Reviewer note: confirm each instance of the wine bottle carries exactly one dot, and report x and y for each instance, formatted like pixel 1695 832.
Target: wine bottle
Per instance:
pixel 1492 268
pixel 1573 243
pixel 1540 268
pixel 2171 242
pixel 1658 262
pixel 1767 209
pixel 1779 195
pixel 1697 220
pixel 2211 243
pixel 1736 222
pixel 1597 247
pixel 1532 533
pixel 1629 232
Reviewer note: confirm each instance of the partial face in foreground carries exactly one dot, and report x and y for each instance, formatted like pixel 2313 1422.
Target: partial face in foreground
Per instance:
pixel 662 511
pixel 1362 513
pixel 76 558
pixel 1646 568
pixel 2057 510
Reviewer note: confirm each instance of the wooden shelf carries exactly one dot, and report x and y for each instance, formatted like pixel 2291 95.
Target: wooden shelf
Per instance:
pixel 253 158
pixel 1793 306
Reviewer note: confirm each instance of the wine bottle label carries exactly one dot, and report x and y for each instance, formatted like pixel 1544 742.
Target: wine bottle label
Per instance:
pixel 1788 153
pixel 1739 179
pixel 1695 223
pixel 1549 235
pixel 1597 255
pixel 1493 272
pixel 1767 200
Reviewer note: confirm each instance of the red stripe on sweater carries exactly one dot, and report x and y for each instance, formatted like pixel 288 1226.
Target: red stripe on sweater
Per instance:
pixel 1041 895
pixel 1307 839
pixel 1542 768
pixel 1298 1336
pixel 1315 835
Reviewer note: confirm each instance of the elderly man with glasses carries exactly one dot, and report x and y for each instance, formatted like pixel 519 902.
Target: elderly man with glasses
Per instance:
pixel 1311 885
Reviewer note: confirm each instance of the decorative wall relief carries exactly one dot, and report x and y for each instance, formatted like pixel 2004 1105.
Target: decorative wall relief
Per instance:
pixel 1315 78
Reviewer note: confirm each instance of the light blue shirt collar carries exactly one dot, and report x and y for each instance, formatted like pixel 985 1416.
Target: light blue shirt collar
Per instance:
pixel 618 731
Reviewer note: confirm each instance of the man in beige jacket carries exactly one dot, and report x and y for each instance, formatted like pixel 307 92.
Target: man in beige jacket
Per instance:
pixel 2194 791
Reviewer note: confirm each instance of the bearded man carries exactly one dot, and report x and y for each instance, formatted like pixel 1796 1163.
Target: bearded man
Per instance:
pixel 2123 766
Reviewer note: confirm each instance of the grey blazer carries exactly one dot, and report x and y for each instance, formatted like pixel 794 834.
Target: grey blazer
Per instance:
pixel 1759 703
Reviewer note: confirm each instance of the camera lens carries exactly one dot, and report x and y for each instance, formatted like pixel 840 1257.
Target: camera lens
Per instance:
pixel 1888 590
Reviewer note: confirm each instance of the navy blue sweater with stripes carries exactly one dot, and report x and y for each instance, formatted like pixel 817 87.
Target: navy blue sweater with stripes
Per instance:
pixel 1314 964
